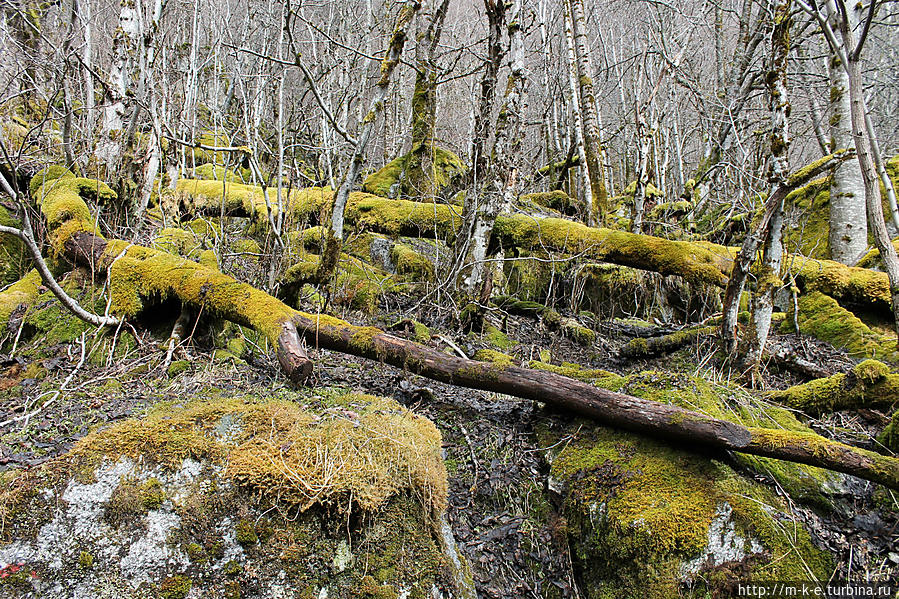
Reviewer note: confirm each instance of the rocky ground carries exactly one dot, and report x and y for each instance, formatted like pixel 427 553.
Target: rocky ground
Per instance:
pixel 507 513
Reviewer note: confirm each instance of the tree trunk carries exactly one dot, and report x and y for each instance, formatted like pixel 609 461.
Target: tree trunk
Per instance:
pixel 125 44
pixel 420 177
pixel 779 169
pixel 848 237
pixel 743 261
pixel 598 196
pixel 350 179
pixel 500 189
pixel 574 99
pixel 869 172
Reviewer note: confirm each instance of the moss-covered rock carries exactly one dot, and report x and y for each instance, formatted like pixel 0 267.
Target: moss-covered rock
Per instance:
pixel 223 497
pixel 889 438
pixel 20 293
pixel 557 201
pixel 392 181
pixel 650 520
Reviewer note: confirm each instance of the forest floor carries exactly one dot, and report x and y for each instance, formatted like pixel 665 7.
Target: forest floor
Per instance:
pixel 504 513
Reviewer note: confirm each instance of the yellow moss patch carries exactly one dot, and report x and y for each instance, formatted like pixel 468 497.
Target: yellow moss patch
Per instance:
pixel 21 292
pixel 62 203
pixel 822 317
pixel 354 446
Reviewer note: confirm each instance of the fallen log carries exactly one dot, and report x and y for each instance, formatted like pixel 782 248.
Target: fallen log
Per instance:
pixel 698 262
pixel 648 347
pixel 136 273
pixel 606 407
pixel 868 385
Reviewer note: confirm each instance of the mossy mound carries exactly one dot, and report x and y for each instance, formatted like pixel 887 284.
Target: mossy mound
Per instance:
pixel 12 253
pixel 889 438
pixel 356 284
pixel 48 174
pixel 392 180
pixel 227 497
pixel 650 520
pixel 807 218
pixel 21 293
pixel 214 172
pixel 822 317
pixel 556 200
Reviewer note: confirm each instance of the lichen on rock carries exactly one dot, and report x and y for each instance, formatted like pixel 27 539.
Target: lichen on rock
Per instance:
pixel 650 520
pixel 218 496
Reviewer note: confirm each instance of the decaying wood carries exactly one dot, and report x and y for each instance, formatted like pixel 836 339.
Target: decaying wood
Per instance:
pixel 643 347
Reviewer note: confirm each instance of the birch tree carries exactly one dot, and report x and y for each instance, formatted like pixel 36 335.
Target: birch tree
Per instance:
pixel 848 237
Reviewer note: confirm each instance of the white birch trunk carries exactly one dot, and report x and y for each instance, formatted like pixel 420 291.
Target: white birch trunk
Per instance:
pixel 848 237
pixel 124 46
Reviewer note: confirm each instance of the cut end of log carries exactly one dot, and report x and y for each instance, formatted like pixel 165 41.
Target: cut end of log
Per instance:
pixel 292 354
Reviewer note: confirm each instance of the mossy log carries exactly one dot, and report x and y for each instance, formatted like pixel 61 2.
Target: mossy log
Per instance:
pixel 606 407
pixel 868 385
pixel 656 346
pixel 697 262
pixel 137 273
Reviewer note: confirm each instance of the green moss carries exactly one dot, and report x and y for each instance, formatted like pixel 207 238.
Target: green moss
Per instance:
pixel 822 317
pixel 21 293
pixel 152 495
pixel 556 200
pixel 174 587
pixel 868 385
pixel 601 378
pixel 85 560
pixel 489 355
pixel 411 264
pixel 889 437
pixel 394 179
pixel 638 508
pixel 214 172
pixel 654 346
pixel 177 367
pixel 178 241
pixel 48 174
pixel 12 252
pixel 577 332
pixel 496 338
pixel 245 533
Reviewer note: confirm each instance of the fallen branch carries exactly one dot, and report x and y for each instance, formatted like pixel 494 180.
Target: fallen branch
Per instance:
pixel 656 346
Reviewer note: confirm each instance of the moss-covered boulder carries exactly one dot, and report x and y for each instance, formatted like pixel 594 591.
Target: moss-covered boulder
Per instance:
pixel 12 253
pixel 340 496
pixel 889 438
pixel 392 180
pixel 647 520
